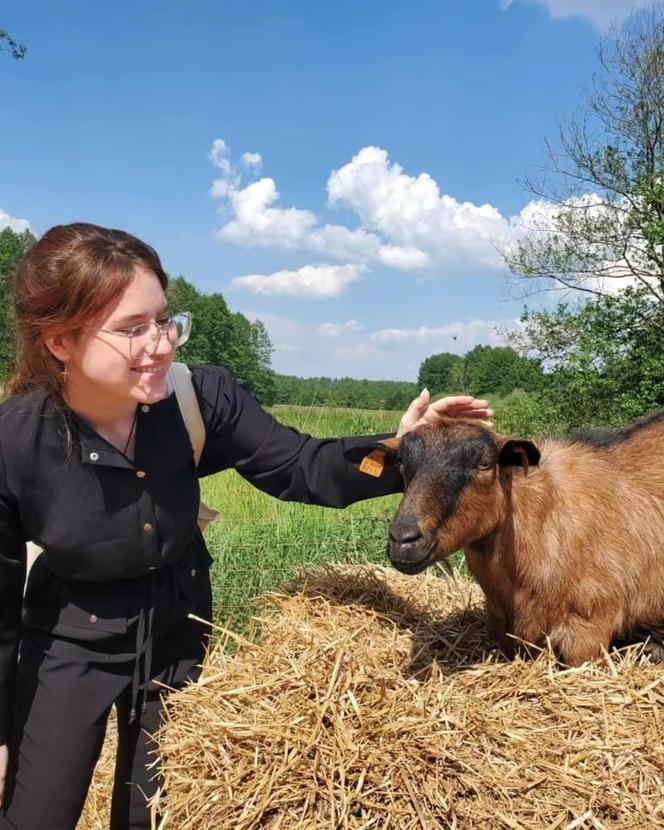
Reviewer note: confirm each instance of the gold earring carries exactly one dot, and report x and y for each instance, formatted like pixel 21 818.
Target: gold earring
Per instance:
pixel 64 373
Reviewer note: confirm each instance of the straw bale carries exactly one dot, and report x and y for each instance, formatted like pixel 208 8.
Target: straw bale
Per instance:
pixel 97 810
pixel 374 700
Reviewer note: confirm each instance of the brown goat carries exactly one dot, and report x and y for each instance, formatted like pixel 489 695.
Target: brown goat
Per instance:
pixel 567 543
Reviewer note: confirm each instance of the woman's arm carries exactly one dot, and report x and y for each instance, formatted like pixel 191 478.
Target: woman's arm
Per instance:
pixel 280 460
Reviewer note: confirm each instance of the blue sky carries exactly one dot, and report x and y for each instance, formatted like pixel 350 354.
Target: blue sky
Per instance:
pixel 344 171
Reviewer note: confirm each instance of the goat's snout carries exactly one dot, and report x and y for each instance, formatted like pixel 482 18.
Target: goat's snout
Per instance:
pixel 407 548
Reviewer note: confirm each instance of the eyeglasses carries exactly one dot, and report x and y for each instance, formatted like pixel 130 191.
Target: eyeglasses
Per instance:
pixel 176 329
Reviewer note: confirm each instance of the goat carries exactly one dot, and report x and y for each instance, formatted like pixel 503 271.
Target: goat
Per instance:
pixel 566 542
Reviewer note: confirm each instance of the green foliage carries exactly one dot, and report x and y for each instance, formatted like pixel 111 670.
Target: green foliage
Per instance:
pixel 344 392
pixel 485 370
pixel 498 370
pixel 219 336
pixel 605 358
pixel 13 246
pixel 17 50
pixel 440 373
pixel 526 415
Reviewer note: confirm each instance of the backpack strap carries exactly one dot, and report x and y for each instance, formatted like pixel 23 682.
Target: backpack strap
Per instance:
pixel 179 379
pixel 183 387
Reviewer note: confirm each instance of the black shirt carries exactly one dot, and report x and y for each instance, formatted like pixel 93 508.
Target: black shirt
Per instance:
pixel 100 516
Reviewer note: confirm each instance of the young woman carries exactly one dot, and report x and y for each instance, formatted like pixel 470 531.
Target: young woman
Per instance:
pixel 96 466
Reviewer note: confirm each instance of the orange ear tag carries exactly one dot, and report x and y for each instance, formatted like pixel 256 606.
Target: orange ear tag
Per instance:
pixel 373 464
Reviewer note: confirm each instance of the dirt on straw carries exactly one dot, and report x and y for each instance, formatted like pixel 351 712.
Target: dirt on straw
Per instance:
pixel 374 700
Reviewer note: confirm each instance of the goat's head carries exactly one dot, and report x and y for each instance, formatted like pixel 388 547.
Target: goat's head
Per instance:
pixel 455 475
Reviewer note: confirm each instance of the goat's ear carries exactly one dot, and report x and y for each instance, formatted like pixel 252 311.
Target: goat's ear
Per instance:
pixel 517 452
pixel 389 447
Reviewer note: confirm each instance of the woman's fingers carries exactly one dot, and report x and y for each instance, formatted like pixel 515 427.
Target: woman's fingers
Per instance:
pixel 458 406
pixel 421 411
pixel 414 413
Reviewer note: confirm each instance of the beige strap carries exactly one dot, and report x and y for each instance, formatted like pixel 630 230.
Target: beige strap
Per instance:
pixel 180 380
pixel 188 403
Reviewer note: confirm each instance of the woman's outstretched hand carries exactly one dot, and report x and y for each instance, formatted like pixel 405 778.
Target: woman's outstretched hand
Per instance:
pixel 422 411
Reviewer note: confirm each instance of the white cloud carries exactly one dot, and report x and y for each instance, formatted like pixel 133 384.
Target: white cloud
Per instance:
pixel 257 224
pixel 336 330
pixel 406 222
pixel 398 352
pixel 253 161
pixel 314 281
pixel 411 213
pixel 601 13
pixel 453 337
pixel 611 271
pixel 406 258
pixel 255 220
pixel 218 155
pixel 307 349
pixel 17 225
pixel 358 351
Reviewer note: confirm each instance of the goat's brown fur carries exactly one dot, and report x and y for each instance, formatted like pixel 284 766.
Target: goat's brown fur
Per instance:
pixel 571 550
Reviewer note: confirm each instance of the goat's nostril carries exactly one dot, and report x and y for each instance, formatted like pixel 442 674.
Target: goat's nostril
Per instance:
pixel 405 534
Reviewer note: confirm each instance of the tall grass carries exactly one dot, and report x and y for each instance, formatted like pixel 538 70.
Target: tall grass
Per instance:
pixel 259 542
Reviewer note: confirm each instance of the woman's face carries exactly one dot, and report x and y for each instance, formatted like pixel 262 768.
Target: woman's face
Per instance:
pixel 112 366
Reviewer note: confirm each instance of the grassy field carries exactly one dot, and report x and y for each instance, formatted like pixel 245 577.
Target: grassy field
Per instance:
pixel 259 542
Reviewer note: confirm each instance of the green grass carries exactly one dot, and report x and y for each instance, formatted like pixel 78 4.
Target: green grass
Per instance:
pixel 259 542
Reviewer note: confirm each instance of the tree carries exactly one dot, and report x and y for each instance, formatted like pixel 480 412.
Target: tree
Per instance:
pixel 604 184
pixel 604 358
pixel 437 372
pixel 183 296
pixel 499 370
pixel 17 50
pixel 13 247
pixel 218 336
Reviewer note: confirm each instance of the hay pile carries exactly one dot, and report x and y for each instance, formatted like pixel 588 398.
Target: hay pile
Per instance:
pixel 373 701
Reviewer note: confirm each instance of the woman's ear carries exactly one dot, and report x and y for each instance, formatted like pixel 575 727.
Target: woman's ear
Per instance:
pixel 59 345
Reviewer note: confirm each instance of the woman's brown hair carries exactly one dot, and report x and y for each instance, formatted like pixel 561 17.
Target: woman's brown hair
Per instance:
pixel 70 277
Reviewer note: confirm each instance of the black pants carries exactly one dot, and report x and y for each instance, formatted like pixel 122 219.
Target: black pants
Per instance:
pixel 66 688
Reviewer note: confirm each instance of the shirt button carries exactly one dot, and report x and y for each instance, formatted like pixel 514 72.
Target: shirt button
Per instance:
pixel 147 527
pixel 94 456
pixel 140 473
pixel 193 571
pixel 93 618
pixel 145 408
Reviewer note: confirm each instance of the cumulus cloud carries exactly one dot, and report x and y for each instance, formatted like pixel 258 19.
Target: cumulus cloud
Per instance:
pixel 254 219
pixel 257 224
pixel 336 330
pixel 412 215
pixel 313 281
pixel 405 221
pixel 254 161
pixel 601 13
pixel 17 225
